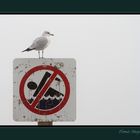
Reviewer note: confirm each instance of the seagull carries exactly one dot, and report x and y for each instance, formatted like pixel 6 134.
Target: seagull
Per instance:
pixel 40 43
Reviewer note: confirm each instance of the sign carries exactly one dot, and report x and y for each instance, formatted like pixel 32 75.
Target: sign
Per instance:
pixel 44 89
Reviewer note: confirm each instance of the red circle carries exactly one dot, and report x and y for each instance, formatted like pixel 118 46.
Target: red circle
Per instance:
pixel 49 111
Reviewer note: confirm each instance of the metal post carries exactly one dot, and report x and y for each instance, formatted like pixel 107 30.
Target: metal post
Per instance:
pixel 45 123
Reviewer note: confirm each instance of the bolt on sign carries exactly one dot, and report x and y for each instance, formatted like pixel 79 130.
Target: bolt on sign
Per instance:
pixel 44 89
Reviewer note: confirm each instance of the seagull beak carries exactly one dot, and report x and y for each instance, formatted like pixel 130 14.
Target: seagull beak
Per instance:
pixel 52 34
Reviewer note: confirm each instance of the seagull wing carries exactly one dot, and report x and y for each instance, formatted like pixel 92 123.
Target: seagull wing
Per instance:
pixel 39 43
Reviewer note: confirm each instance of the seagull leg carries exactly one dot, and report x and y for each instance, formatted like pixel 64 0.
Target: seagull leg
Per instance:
pixel 42 53
pixel 39 54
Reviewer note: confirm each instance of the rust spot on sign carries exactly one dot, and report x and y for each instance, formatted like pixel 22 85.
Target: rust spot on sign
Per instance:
pixel 19 101
pixel 59 65
pixel 16 67
pixel 35 119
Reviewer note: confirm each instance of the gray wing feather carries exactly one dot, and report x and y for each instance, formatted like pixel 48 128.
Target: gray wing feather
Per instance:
pixel 39 43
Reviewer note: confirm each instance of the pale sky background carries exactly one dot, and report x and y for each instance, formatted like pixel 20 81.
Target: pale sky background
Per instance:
pixel 107 52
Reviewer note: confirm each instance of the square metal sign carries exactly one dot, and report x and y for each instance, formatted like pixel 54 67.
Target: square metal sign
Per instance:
pixel 44 89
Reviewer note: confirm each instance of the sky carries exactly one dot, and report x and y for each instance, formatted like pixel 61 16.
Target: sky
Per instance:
pixel 106 50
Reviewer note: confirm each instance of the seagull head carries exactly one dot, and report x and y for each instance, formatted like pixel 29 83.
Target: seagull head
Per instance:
pixel 46 33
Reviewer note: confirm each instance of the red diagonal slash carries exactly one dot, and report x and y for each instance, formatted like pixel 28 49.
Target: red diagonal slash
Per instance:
pixel 43 90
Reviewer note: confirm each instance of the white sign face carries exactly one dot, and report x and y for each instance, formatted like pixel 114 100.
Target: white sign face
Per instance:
pixel 44 89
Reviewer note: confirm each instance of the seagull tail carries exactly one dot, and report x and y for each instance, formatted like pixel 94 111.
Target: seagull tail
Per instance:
pixel 27 50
